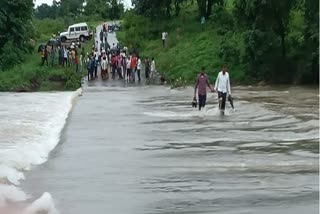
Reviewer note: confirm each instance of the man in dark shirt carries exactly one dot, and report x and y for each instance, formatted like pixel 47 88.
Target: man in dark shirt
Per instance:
pixel 201 85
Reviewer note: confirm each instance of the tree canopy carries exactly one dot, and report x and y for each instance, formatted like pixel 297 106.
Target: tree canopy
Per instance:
pixel 16 31
pixel 102 9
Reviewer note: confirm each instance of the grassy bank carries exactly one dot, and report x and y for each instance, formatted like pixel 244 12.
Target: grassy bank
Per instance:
pixel 30 76
pixel 254 56
pixel 188 47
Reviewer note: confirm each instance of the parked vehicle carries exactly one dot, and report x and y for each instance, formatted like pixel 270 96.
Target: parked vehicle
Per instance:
pixel 78 31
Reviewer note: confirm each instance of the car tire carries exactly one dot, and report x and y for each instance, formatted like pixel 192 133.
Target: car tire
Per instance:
pixel 81 38
pixel 63 39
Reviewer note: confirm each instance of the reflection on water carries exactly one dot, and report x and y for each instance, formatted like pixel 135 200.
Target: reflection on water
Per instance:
pixel 145 150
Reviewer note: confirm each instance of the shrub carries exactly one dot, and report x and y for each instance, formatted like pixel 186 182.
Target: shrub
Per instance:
pixel 11 55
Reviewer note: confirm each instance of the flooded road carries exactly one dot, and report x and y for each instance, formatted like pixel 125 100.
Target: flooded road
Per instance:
pixel 136 150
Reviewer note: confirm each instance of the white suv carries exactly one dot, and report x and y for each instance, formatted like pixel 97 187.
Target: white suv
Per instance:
pixel 77 31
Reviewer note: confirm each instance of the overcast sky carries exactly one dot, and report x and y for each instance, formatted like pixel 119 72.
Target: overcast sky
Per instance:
pixel 127 3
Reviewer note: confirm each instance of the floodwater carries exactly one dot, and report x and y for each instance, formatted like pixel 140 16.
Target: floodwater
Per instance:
pixel 145 150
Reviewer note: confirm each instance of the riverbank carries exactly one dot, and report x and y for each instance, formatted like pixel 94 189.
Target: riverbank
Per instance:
pixel 31 76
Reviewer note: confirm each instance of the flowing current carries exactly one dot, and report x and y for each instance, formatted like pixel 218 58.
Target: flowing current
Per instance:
pixel 135 150
pixel 30 128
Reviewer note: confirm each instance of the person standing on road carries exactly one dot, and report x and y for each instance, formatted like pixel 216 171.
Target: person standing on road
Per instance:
pixel 65 56
pixel 114 66
pixel 104 67
pixel 60 53
pixel 222 86
pixel 69 57
pixel 128 68
pixel 52 55
pixel 139 68
pixel 90 67
pixel 73 57
pixel 147 68
pixel 133 67
pixel 44 55
pixel 105 35
pixel 153 69
pixel 82 59
pixel 101 35
pixel 119 66
pixel 201 87
pixel 76 62
pixel 96 62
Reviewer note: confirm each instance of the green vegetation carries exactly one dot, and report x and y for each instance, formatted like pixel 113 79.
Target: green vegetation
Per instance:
pixel 261 41
pixel 28 75
pixel 74 11
pixel 25 28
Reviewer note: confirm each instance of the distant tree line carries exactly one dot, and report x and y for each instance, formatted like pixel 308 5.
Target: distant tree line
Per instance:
pixel 102 9
pixel 173 7
pixel 16 31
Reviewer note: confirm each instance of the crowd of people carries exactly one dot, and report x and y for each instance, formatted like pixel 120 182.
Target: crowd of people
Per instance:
pixel 117 61
pixel 67 56
pixel 119 64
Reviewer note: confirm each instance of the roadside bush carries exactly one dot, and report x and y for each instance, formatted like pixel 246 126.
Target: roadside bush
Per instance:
pixel 73 80
pixel 11 56
pixel 221 20
pixel 229 51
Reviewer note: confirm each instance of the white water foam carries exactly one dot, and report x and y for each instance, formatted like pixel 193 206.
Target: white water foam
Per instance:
pixel 187 114
pixel 30 129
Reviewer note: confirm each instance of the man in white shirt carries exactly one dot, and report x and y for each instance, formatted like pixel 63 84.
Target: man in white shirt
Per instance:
pixel 164 35
pixel 139 69
pixel 222 86
pixel 153 68
pixel 104 68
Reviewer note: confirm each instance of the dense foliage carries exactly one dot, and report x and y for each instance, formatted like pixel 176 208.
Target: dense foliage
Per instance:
pixel 16 31
pixel 265 40
pixel 98 9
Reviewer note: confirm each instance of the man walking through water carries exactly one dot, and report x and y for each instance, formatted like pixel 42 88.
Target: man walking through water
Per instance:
pixel 201 85
pixel 223 88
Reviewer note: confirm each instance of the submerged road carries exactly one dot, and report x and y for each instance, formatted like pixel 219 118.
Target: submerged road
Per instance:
pixel 136 150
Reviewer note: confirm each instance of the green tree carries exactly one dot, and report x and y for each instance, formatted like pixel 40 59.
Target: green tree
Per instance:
pixel 70 8
pixel 265 27
pixel 153 9
pixel 266 15
pixel 99 8
pixel 205 6
pixel 311 36
pixel 44 11
pixel 16 31
pixel 116 9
